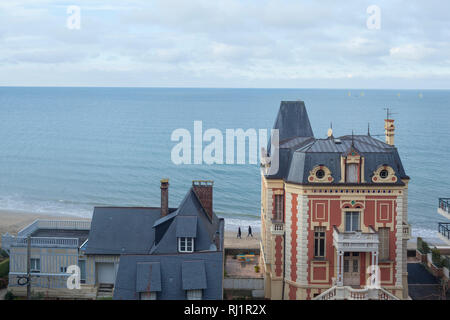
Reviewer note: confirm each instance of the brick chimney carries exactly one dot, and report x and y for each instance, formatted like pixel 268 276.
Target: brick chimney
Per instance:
pixel 389 129
pixel 204 191
pixel 164 197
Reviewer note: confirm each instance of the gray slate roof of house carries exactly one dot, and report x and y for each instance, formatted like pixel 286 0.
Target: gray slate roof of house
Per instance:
pixel 189 218
pixel 193 275
pixel 178 273
pixel 298 155
pixel 186 226
pixel 292 120
pixel 118 230
pixel 148 277
pixel 132 230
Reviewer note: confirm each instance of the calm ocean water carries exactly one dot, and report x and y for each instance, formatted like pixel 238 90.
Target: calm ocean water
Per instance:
pixel 65 150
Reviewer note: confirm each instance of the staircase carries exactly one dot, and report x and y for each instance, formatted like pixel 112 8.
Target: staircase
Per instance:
pixel 105 290
pixel 349 293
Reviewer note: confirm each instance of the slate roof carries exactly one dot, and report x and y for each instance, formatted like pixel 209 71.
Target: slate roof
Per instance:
pixel 190 217
pixel 148 249
pixel 148 277
pixel 193 275
pixel 298 155
pixel 178 273
pixel 117 230
pixel 186 227
pixel 141 230
pixel 292 120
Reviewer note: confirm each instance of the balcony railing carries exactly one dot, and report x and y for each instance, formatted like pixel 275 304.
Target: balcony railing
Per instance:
pixel 406 231
pixel 355 241
pixel 44 242
pixel 444 231
pixel 55 224
pixel 277 227
pixel 349 293
pixel 9 241
pixel 444 207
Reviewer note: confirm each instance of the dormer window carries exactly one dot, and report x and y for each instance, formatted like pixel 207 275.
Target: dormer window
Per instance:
pixel 352 167
pixel 384 174
pixel 351 173
pixel 320 174
pixel 185 244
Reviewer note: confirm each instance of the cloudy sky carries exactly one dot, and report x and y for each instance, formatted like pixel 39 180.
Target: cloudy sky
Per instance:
pixel 226 43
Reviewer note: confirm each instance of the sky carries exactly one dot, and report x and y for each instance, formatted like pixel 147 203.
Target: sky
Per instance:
pixel 226 43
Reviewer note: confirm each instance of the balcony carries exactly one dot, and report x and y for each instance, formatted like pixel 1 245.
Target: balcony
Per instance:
pixel 444 231
pixel 349 293
pixel 406 231
pixel 277 227
pixel 355 241
pixel 50 234
pixel 444 207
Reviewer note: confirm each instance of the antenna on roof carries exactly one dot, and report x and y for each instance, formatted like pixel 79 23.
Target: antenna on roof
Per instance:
pixel 389 113
pixel 368 129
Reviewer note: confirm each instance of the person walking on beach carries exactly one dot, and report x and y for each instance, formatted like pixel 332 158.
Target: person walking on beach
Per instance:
pixel 239 233
pixel 250 232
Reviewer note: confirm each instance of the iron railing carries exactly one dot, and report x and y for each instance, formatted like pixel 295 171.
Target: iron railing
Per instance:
pixel 55 224
pixel 444 204
pixel 444 229
pixel 57 242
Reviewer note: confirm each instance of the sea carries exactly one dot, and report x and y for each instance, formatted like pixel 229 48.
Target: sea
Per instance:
pixel 65 150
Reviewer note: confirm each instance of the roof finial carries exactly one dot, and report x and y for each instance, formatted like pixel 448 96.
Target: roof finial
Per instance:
pixel 330 131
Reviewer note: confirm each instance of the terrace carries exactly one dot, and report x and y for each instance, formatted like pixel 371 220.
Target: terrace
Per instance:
pixel 50 233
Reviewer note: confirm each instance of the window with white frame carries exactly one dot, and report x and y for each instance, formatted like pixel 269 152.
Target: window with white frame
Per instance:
pixel 194 294
pixel 148 296
pixel 319 242
pixel 63 269
pixel 351 173
pixel 185 244
pixel 352 221
pixel 35 265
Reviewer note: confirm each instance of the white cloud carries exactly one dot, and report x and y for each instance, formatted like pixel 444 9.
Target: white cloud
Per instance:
pixel 224 43
pixel 411 52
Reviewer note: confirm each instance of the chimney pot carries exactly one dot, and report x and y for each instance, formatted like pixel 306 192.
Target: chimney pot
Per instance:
pixel 204 191
pixel 164 197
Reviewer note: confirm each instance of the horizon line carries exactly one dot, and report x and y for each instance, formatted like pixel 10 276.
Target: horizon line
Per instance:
pixel 244 88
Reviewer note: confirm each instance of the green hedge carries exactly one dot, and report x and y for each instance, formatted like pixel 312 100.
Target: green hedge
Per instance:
pixel 4 268
pixel 422 246
pixel 436 257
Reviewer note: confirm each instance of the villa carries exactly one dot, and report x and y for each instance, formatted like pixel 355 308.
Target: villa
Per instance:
pixel 336 206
